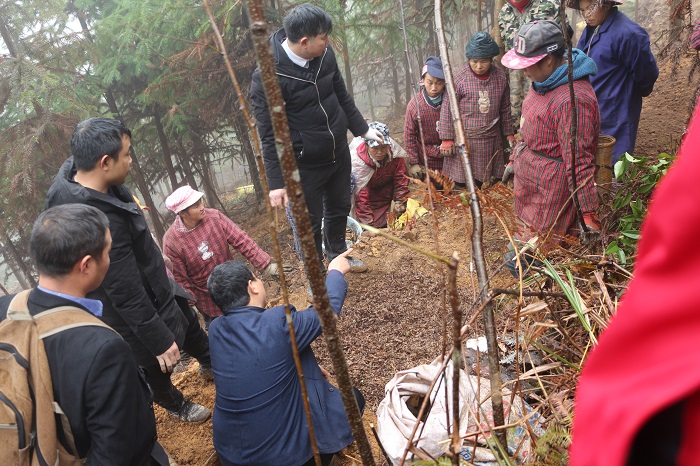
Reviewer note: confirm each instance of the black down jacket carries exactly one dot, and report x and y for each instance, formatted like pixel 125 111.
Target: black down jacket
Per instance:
pixel 319 111
pixel 138 297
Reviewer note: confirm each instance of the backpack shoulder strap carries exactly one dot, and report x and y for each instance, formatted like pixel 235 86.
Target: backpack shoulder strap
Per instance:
pixel 18 310
pixel 59 319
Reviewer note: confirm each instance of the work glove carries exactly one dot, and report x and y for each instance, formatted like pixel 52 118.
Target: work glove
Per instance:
pixel 591 234
pixel 273 269
pixel 508 173
pixel 446 148
pixel 399 207
pixel 374 135
pixel 415 171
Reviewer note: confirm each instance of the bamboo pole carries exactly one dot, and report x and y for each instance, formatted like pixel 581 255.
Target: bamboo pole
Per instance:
pixel 273 232
pixel 477 236
pixel 290 172
pixel 573 140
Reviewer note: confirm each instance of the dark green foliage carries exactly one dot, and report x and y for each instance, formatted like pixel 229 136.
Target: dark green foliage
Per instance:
pixel 638 176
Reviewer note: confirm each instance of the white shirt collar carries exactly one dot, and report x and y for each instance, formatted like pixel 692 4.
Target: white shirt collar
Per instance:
pixel 296 59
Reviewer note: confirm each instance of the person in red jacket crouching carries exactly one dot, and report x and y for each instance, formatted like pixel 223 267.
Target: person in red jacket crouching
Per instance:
pixel 379 171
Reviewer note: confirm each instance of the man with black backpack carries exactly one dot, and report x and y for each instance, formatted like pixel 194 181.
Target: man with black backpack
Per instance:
pixel 96 384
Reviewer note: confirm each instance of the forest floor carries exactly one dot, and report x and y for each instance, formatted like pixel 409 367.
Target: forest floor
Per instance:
pixel 393 315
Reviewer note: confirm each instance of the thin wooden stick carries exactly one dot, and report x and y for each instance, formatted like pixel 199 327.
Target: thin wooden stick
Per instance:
pixel 456 354
pixel 312 263
pixel 477 235
pixel 431 206
pixel 573 141
pixel 273 232
pixel 604 290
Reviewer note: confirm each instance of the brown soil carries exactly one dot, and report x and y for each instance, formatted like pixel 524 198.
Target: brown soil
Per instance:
pixel 393 316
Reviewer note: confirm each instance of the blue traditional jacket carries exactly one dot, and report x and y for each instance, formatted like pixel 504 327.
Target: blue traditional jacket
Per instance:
pixel 627 72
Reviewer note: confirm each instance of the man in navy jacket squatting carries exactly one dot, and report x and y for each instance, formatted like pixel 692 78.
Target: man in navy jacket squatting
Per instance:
pixel 259 415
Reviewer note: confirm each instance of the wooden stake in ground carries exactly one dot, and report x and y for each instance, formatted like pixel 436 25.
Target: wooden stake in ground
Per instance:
pixel 312 264
pixel 477 236
pixel 273 232
pixel 573 141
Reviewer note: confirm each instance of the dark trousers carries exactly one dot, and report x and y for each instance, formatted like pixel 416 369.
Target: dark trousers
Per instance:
pixel 196 344
pixel 327 193
pixel 326 458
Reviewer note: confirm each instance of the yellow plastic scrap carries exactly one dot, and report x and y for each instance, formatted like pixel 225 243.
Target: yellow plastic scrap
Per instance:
pixel 413 209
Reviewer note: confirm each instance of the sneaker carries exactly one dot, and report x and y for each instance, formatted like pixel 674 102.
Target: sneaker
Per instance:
pixel 191 412
pixel 356 265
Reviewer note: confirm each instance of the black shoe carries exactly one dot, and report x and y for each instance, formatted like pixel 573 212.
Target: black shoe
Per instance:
pixel 191 412
pixel 356 265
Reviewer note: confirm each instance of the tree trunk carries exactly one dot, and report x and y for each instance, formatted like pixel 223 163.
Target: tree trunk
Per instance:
pixel 200 150
pixel 344 42
pixel 479 15
pixel 167 155
pixel 7 37
pixel 16 272
pixel 247 148
pixel 395 79
pixel 370 98
pixel 477 240
pixel 496 31
pixel 409 82
pixel 14 259
pixel 185 165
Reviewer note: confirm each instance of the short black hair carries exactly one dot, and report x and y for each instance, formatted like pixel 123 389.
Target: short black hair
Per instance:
pixel 95 137
pixel 64 234
pixel 306 20
pixel 228 285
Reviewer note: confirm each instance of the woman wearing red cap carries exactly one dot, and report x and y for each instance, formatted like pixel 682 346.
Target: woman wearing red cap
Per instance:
pixel 542 162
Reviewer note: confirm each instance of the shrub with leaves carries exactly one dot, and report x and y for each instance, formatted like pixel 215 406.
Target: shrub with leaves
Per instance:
pixel 638 177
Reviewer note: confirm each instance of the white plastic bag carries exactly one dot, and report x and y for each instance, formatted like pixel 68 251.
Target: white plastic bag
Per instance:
pixel 395 421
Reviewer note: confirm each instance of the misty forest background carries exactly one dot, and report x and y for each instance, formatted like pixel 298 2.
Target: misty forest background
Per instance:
pixel 156 66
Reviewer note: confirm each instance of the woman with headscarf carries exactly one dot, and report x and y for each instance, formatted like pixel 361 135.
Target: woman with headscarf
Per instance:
pixel 484 104
pixel 379 172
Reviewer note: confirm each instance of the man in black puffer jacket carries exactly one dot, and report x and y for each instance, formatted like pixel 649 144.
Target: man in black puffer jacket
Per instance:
pixel 139 300
pixel 319 111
